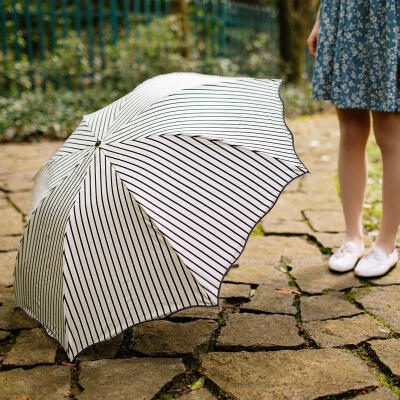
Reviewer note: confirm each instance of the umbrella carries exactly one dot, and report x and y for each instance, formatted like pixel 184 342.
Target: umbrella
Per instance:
pixel 149 202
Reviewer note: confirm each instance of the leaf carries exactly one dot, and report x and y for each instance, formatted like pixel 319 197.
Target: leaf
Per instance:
pixel 288 290
pixel 198 384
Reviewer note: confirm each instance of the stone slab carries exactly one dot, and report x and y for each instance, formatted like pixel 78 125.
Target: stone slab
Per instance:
pixel 102 350
pixel 382 301
pixel 287 207
pixel 31 347
pixel 285 226
pixel 18 181
pixel 7 263
pixel 138 378
pixel 257 273
pixel 234 290
pixel 205 312
pixel 22 200
pixel 343 331
pixel 9 243
pixel 329 305
pixel 11 222
pixel 326 220
pixel 286 374
pixel 171 338
pixel 305 201
pixel 381 393
pixel 3 201
pixel 319 182
pixel 198 394
pixel 388 352
pixel 11 318
pixel 317 277
pixel 330 240
pixel 39 383
pixel 4 335
pixel 390 278
pixel 334 240
pixel 259 330
pixel 269 250
pixel 268 299
pixel 26 157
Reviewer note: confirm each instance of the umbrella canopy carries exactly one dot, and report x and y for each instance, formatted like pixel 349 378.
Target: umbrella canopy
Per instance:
pixel 149 202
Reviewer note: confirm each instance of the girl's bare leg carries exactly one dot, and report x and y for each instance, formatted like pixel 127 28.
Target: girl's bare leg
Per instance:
pixel 387 135
pixel 352 167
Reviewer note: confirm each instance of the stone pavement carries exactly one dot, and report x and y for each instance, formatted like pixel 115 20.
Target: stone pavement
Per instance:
pixel 286 327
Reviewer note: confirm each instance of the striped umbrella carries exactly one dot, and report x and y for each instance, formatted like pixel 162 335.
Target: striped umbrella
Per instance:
pixel 149 202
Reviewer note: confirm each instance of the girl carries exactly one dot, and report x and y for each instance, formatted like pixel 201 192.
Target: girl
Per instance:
pixel 356 46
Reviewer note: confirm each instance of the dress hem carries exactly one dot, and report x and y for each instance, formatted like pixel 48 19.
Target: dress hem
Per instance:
pixel 340 105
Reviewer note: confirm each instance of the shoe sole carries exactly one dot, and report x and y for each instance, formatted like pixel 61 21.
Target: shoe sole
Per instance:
pixel 345 270
pixel 377 275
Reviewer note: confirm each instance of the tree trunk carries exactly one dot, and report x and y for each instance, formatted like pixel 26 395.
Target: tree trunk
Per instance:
pixel 184 10
pixel 296 19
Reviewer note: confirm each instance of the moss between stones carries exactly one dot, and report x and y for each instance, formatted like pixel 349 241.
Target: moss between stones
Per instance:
pixel 376 367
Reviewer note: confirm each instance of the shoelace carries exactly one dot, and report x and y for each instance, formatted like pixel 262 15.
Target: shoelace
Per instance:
pixel 372 253
pixel 345 248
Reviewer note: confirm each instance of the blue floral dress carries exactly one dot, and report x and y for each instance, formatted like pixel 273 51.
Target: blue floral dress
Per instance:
pixel 357 62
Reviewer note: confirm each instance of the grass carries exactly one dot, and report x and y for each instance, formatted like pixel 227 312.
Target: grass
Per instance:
pixel 372 212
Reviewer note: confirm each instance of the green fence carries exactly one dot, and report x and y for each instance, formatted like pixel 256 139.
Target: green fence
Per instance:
pixel 33 32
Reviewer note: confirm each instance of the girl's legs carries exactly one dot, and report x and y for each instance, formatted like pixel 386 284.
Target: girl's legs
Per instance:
pixel 352 168
pixel 387 135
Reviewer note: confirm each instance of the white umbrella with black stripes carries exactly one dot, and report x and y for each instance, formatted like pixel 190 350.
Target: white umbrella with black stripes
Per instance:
pixel 149 202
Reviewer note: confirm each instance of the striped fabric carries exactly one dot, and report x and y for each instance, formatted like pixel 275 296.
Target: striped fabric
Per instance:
pixel 149 202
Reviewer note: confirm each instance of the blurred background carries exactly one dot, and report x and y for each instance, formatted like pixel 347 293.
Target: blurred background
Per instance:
pixel 61 59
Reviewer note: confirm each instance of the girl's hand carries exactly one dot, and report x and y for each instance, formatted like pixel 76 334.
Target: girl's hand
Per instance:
pixel 312 39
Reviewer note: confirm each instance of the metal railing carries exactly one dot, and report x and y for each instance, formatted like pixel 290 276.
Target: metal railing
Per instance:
pixel 32 31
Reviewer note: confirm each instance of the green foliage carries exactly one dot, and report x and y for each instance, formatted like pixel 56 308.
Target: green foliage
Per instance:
pixel 55 114
pixel 372 211
pixel 297 100
pixel 52 115
pixel 152 50
pixel 198 384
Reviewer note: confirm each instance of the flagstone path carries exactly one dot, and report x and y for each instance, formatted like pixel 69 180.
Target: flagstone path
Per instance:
pixel 286 327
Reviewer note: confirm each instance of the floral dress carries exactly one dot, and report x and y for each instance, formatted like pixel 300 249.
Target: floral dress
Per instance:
pixel 357 63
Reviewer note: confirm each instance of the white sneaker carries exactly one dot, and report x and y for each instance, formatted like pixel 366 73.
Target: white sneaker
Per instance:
pixel 376 262
pixel 346 256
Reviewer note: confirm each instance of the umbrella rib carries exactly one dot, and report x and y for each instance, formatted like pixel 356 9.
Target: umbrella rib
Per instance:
pixel 148 268
pixel 182 246
pixel 262 155
pixel 97 166
pixel 114 178
pixel 88 201
pixel 177 195
pixel 124 193
pixel 238 187
pixel 134 248
pixel 203 87
pixel 147 124
pixel 176 225
pixel 159 223
pixel 162 270
pixel 226 147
